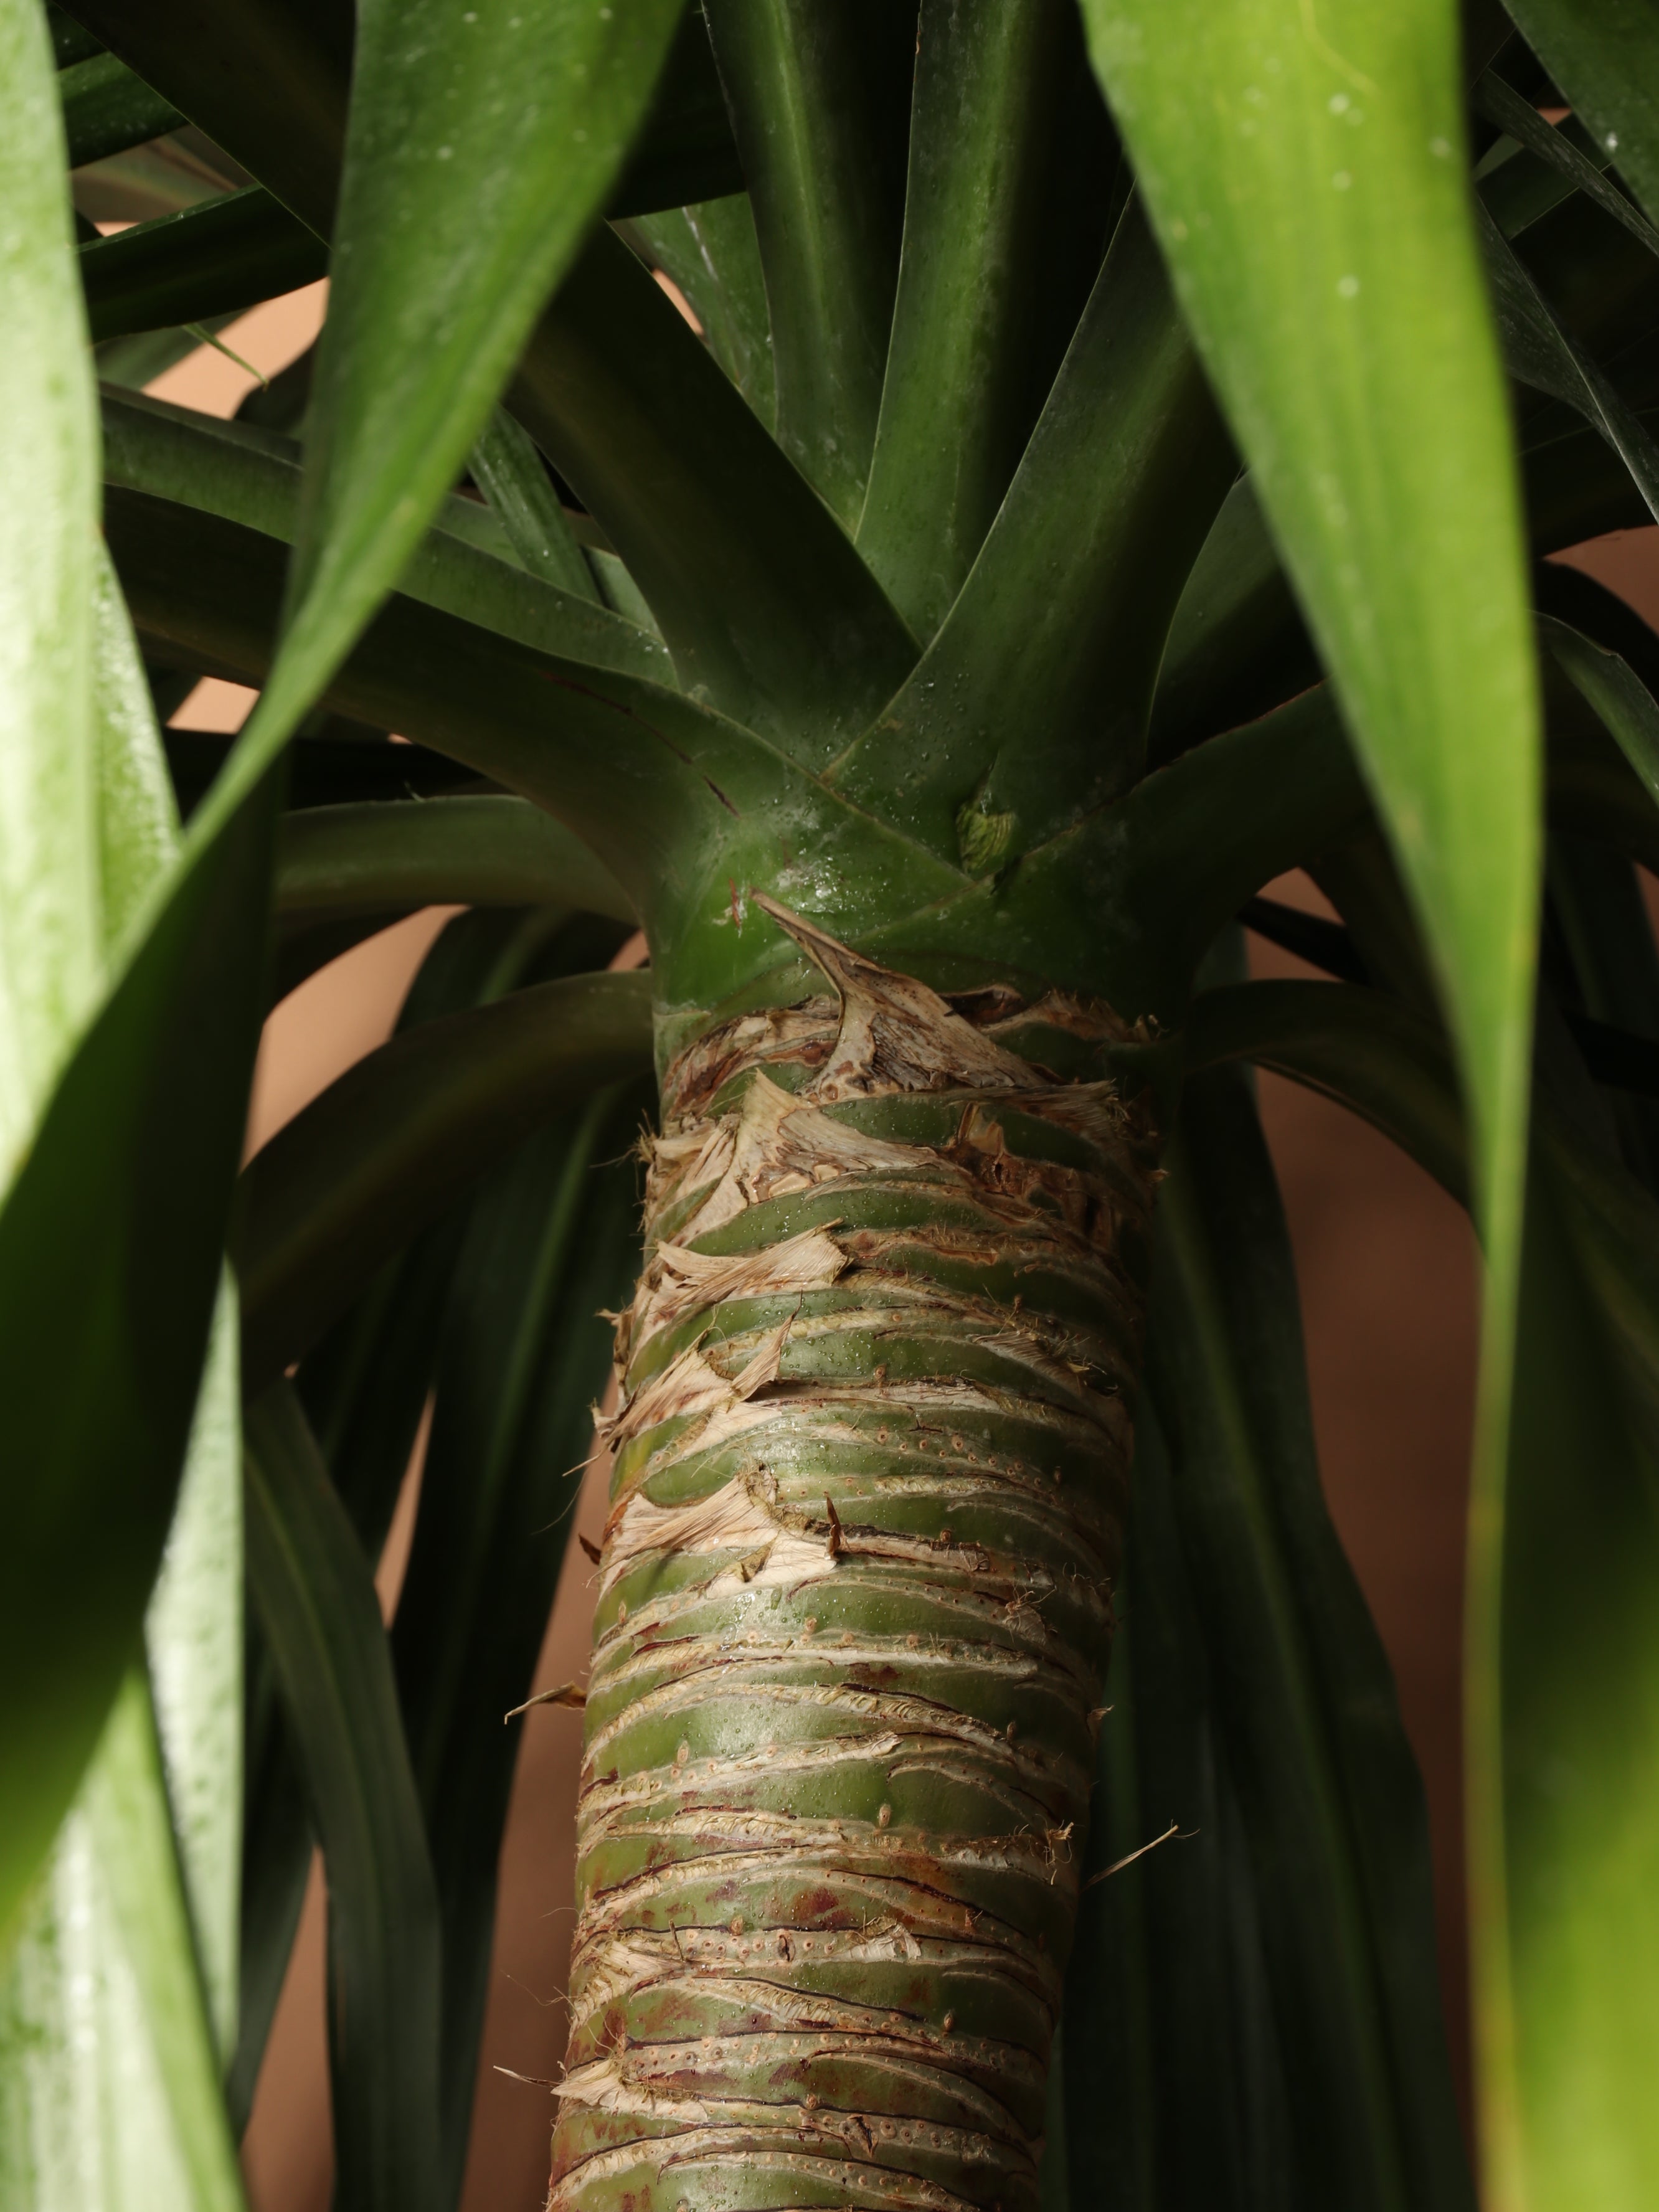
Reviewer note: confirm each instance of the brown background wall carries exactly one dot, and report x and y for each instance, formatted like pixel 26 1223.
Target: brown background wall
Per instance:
pixel 1389 1293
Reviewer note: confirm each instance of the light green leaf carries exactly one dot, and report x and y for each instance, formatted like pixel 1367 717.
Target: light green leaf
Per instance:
pixel 50 962
pixel 1606 58
pixel 1303 165
pixel 194 1632
pixel 138 820
pixel 1582 1702
pixel 121 2002
pixel 109 2087
pixel 1317 226
pixel 194 1637
pixel 126 1808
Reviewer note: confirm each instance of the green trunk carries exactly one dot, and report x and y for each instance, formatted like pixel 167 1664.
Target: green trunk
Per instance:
pixel 855 1602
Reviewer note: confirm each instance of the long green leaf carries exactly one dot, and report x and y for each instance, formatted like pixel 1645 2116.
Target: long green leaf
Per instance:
pixel 363 1389
pixel 1581 1704
pixel 388 1146
pixel 459 210
pixel 766 606
pixel 685 150
pixel 49 925
pixel 1541 354
pixel 552 1240
pixel 266 80
pixel 1175 2089
pixel 193 1635
pixel 1606 59
pixel 1329 1791
pixel 127 1815
pixel 1031 705
pixel 106 109
pixel 966 366
pixel 213 259
pixel 509 469
pixel 254 478
pixel 1359 1046
pixel 1502 104
pixel 1320 236
pixel 1615 694
pixel 813 92
pixel 315 1599
pixel 711 252
pixel 437 852
pixel 1322 248
pixel 138 2038
pixel 109 2090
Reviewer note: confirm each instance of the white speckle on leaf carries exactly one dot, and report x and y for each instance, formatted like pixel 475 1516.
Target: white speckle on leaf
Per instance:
pixel 1441 148
pixel 1341 181
pixel 1339 103
pixel 1346 287
pixel 1610 142
pixel 1177 229
pixel 445 153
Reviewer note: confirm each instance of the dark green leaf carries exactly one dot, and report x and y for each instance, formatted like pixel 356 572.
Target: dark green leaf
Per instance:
pixel 1331 1801
pixel 315 1598
pixel 1063 651
pixel 459 210
pixel 965 371
pixel 70 43
pixel 509 471
pixel 1606 59
pixel 710 251
pixel 437 852
pixel 322 772
pixel 212 260
pixel 685 151
pixel 388 1146
pixel 253 477
pixel 106 109
pixel 1502 104
pixel 818 97
pixel 553 1239
pixel 1616 694
pixel 266 79
pixel 1541 354
pixel 1359 1046
pixel 766 606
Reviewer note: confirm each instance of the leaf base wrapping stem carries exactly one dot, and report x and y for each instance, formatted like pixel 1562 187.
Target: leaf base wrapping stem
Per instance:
pixel 855 1604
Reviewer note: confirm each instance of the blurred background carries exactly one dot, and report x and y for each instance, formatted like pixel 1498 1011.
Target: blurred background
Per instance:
pixel 1389 1298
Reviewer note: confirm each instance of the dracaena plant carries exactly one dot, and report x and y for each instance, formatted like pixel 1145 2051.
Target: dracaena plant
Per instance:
pixel 1092 464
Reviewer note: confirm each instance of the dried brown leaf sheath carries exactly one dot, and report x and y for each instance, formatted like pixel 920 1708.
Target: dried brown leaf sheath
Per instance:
pixel 851 1630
